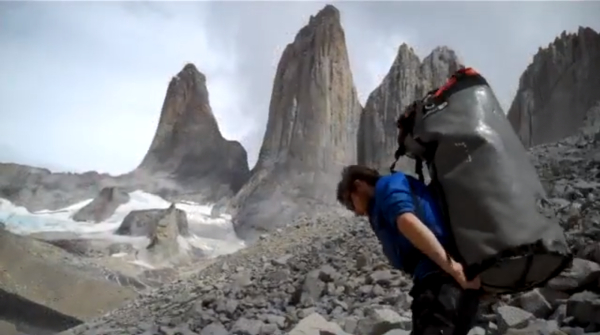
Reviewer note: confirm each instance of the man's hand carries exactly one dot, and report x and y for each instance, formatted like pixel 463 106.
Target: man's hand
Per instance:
pixel 458 273
pixel 424 239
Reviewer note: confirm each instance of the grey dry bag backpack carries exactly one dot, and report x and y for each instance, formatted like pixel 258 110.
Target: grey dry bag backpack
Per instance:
pixel 487 184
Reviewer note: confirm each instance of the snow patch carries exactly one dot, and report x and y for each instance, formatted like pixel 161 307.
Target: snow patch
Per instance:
pixel 19 220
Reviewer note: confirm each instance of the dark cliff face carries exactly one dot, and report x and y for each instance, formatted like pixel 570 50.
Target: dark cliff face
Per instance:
pixel 409 78
pixel 558 88
pixel 188 145
pixel 311 130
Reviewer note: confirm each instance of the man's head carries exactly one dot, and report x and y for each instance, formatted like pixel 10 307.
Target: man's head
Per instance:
pixel 357 188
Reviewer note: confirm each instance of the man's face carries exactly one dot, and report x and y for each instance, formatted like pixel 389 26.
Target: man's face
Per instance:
pixel 358 199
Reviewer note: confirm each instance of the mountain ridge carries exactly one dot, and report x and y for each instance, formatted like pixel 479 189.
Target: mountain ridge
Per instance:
pixel 562 76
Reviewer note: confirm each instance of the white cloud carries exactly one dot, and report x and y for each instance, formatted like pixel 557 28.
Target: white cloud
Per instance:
pixel 83 82
pixel 87 80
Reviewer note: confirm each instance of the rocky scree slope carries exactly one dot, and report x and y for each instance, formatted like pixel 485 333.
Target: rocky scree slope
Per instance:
pixel 570 172
pixel 558 88
pixel 47 276
pixel 188 158
pixel 330 264
pixel 311 130
pixel 407 80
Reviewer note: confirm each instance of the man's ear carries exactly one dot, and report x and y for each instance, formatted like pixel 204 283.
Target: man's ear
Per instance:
pixel 357 184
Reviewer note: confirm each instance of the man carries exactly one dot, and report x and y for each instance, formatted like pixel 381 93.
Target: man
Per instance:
pixel 415 239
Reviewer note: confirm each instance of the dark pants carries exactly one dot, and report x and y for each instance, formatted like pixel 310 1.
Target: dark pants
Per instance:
pixel 441 307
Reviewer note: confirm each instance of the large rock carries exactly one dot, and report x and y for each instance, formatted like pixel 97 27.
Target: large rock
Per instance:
pixel 166 248
pixel 380 320
pixel 35 273
pixel 188 144
pixel 103 206
pixel 512 317
pixel 558 88
pixel 315 324
pixel 145 222
pixel 584 307
pixel 407 80
pixel 7 328
pixel 591 252
pixel 581 274
pixel 311 131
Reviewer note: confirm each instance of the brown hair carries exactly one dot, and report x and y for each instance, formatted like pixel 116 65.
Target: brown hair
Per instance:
pixel 351 173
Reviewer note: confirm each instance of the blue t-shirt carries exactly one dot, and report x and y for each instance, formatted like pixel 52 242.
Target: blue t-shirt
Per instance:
pixel 396 194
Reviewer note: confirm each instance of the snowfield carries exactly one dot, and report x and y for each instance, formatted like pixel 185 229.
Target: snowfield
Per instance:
pixel 19 220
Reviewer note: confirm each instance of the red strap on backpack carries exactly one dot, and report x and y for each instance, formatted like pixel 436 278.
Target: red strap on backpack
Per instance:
pixel 460 74
pixel 455 78
pixel 461 79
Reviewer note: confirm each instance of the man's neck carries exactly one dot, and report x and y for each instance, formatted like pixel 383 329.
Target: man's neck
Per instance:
pixel 371 205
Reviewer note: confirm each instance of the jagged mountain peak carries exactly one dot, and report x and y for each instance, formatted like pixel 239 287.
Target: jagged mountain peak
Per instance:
pixel 188 145
pixel 329 12
pixel 443 53
pixel 408 79
pixel 559 86
pixel 190 73
pixel 322 28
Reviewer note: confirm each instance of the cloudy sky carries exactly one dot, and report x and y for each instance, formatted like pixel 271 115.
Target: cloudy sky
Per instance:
pixel 82 83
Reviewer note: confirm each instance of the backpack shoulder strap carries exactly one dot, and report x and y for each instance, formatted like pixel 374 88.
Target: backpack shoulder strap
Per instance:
pixel 417 254
pixel 419 169
pixel 416 201
pixel 405 125
pixel 437 192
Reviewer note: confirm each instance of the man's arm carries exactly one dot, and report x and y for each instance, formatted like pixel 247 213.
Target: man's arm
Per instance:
pixel 423 239
pixel 398 208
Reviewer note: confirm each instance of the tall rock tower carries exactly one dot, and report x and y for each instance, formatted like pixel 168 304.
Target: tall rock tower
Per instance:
pixel 311 131
pixel 188 147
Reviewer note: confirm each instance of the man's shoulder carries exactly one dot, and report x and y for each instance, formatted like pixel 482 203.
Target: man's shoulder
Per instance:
pixel 393 179
pixel 391 182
